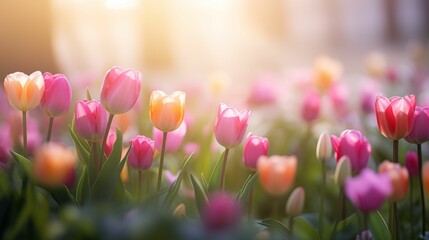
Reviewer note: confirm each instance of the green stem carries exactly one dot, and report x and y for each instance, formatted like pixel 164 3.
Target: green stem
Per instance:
pixel 322 200
pixel 161 161
pixel 395 151
pixel 106 133
pixel 411 208
pixel 365 225
pixel 249 207
pixel 422 195
pixel 24 131
pixel 392 205
pixel 222 175
pixel 51 124
pixel 291 222
pixel 341 201
pixel 139 189
pixel 343 204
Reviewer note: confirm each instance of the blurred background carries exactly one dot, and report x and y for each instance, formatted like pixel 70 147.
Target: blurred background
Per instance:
pixel 172 40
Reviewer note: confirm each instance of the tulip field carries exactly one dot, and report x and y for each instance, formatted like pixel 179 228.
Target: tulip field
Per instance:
pixel 309 156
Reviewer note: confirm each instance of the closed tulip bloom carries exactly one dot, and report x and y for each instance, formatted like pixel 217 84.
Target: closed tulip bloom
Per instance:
pixel 398 178
pixel 174 139
pixel 54 164
pixel 425 173
pixel 420 131
pixel 90 120
pixel 57 95
pixel 167 111
pixel 277 173
pixel 324 147
pixel 412 163
pixel 310 107
pixel 368 190
pixel 222 211
pixel 141 153
pixel 395 116
pixel 24 92
pixel 110 142
pixel 355 146
pixel 295 203
pixel 254 148
pixel 120 90
pixel 343 171
pixel 231 125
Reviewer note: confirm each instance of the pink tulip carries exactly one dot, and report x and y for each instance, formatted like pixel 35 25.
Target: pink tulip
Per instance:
pixel 412 163
pixel 110 141
pixel 174 138
pixel 120 90
pixel 254 147
pixel 5 146
pixel 90 120
pixel 263 92
pixel 221 212
pixel 57 95
pixel 395 116
pixel 310 108
pixel 191 148
pixel 355 146
pixel 230 125
pixel 420 131
pixel 339 95
pixel 141 153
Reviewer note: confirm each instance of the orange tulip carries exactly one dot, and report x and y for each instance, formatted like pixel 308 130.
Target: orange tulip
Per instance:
pixel 277 173
pixel 167 111
pixel 326 72
pixel 398 178
pixel 24 92
pixel 425 173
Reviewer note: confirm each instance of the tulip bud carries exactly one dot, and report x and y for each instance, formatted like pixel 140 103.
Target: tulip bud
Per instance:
pixel 398 177
pixel 343 171
pixel 295 203
pixel 167 111
pixel 324 147
pixel 24 92
pixel 90 120
pixel 310 108
pixel 141 153
pixel 57 95
pixel 174 139
pixel 180 211
pixel 254 148
pixel 277 173
pixel 412 163
pixel 110 142
pixel 221 212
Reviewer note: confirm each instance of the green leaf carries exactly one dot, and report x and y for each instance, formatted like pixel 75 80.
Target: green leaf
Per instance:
pixel 343 224
pixel 248 186
pixel 200 195
pixel 83 187
pixel 204 183
pixel 174 188
pixel 378 226
pixel 215 175
pixel 62 195
pixel 25 164
pixel 81 149
pixel 275 225
pixel 88 94
pixel 303 229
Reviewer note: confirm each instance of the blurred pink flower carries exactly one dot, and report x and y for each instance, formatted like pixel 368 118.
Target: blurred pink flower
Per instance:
pixel 339 96
pixel 399 179
pixel 5 146
pixel 310 107
pixel 174 138
pixel 254 147
pixel 262 92
pixel 412 163
pixel 191 148
pixel 222 211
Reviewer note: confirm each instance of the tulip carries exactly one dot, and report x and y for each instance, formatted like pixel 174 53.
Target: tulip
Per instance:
pixel 254 148
pixel 167 111
pixel 110 142
pixel 277 173
pixel 141 153
pixel 324 147
pixel 230 125
pixel 24 92
pixel 5 146
pixel 398 177
pixel 339 96
pixel 395 116
pixel 425 172
pixel 54 164
pixel 368 190
pixel 343 171
pixel 90 119
pixel 310 107
pixel 263 92
pixel 412 163
pixel 221 212
pixel 355 146
pixel 420 131
pixel 295 203
pixel 327 72
pixel 174 140
pixel 120 90
pixel 57 95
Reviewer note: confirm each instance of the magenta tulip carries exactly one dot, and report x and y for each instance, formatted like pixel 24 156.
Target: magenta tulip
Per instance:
pixel 420 131
pixel 57 95
pixel 174 139
pixel 254 147
pixel 231 125
pixel 395 116
pixel 120 90
pixel 310 108
pixel 355 146
pixel 221 212
pixel 141 153
pixel 412 163
pixel 5 146
pixel 90 120
pixel 368 190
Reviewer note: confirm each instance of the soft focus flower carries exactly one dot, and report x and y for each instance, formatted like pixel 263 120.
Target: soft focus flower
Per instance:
pixel 120 90
pixel 167 111
pixel 221 212
pixel 191 148
pixel 343 171
pixel 54 164
pixel 420 131
pixel 5 146
pixel 324 147
pixel 368 190
pixel 262 92
pixel 395 116
pixel 310 107
pixel 339 96
pixel 412 163
pixel 425 175
pixel 368 94
pixel 365 235
pixel 398 178
pixel 376 65
pixel 91 119
pixel 295 203
pixel 110 141
pixel 327 71
pixel 174 138
pixel 57 95
pixel 355 146
pixel 277 173
pixel 24 92
pixel 254 147
pixel 141 153
pixel 230 125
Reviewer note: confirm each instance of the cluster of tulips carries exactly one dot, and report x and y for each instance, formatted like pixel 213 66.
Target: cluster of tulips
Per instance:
pixel 96 172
